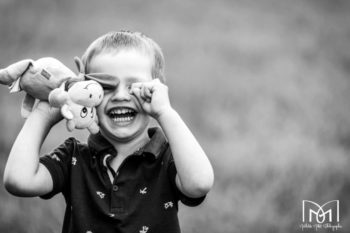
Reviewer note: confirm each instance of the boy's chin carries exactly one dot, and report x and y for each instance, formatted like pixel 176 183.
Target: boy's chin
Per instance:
pixel 123 132
pixel 121 135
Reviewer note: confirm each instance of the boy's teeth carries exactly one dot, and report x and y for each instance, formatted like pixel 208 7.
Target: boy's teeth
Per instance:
pixel 122 119
pixel 121 111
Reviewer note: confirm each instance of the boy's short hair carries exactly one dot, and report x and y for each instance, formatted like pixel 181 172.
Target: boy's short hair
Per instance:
pixel 116 41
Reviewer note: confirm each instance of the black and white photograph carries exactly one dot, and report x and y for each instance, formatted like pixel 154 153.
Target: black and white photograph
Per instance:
pixel 171 116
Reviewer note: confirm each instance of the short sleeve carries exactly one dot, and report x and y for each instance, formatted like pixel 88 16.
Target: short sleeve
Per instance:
pixel 189 201
pixel 58 164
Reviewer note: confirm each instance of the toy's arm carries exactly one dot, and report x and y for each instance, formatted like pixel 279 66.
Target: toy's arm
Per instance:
pixel 60 99
pixel 24 175
pixel 66 112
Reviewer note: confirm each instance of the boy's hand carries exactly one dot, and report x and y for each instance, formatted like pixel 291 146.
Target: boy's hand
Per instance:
pixel 152 96
pixel 49 113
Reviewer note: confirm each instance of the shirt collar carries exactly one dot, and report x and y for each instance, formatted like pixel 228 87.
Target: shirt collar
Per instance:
pixel 154 147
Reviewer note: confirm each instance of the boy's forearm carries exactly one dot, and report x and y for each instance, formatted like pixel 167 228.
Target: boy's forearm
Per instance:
pixel 194 170
pixel 23 161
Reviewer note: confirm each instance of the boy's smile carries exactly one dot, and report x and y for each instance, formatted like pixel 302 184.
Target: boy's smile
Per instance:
pixel 120 115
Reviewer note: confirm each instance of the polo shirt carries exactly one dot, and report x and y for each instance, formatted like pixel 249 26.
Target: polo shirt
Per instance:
pixel 141 197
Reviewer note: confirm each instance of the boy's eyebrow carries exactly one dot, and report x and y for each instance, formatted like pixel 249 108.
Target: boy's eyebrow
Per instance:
pixel 103 79
pixel 132 79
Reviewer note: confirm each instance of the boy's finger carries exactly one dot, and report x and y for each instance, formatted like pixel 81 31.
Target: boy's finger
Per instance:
pixel 137 94
pixel 145 93
pixel 148 84
pixel 146 89
pixel 148 93
pixel 135 90
pixel 142 91
pixel 136 85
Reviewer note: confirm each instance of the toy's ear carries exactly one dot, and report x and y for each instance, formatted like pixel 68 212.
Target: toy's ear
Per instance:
pixel 79 65
pixel 11 73
pixel 58 97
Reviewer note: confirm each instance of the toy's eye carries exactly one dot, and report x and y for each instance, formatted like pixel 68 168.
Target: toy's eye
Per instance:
pixel 83 112
pixel 90 96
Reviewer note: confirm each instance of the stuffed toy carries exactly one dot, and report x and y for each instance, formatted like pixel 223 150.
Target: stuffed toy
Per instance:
pixel 41 77
pixel 37 78
pixel 77 101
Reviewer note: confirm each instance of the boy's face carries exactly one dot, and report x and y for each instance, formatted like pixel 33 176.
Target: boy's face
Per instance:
pixel 121 117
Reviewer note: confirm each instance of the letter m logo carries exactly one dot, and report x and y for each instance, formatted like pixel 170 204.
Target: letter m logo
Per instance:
pixel 326 213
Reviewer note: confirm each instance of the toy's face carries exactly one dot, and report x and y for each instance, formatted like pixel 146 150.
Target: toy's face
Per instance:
pixel 83 116
pixel 87 93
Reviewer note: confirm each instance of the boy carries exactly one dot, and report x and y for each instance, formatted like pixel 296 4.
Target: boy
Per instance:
pixel 129 177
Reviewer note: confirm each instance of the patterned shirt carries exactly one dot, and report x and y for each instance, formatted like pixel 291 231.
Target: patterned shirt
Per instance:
pixel 141 196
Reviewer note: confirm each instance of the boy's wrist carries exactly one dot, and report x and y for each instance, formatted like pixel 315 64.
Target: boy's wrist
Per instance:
pixel 166 115
pixel 41 116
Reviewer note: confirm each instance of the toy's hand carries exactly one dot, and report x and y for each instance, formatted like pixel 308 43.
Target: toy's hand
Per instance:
pixel 93 128
pixel 66 112
pixel 152 96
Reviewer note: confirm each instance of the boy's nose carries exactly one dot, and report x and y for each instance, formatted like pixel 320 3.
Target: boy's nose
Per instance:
pixel 121 94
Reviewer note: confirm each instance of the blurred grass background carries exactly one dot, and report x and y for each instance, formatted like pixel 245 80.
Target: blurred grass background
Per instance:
pixel 264 85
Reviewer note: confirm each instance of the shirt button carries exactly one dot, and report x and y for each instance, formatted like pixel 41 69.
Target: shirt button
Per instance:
pixel 115 188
